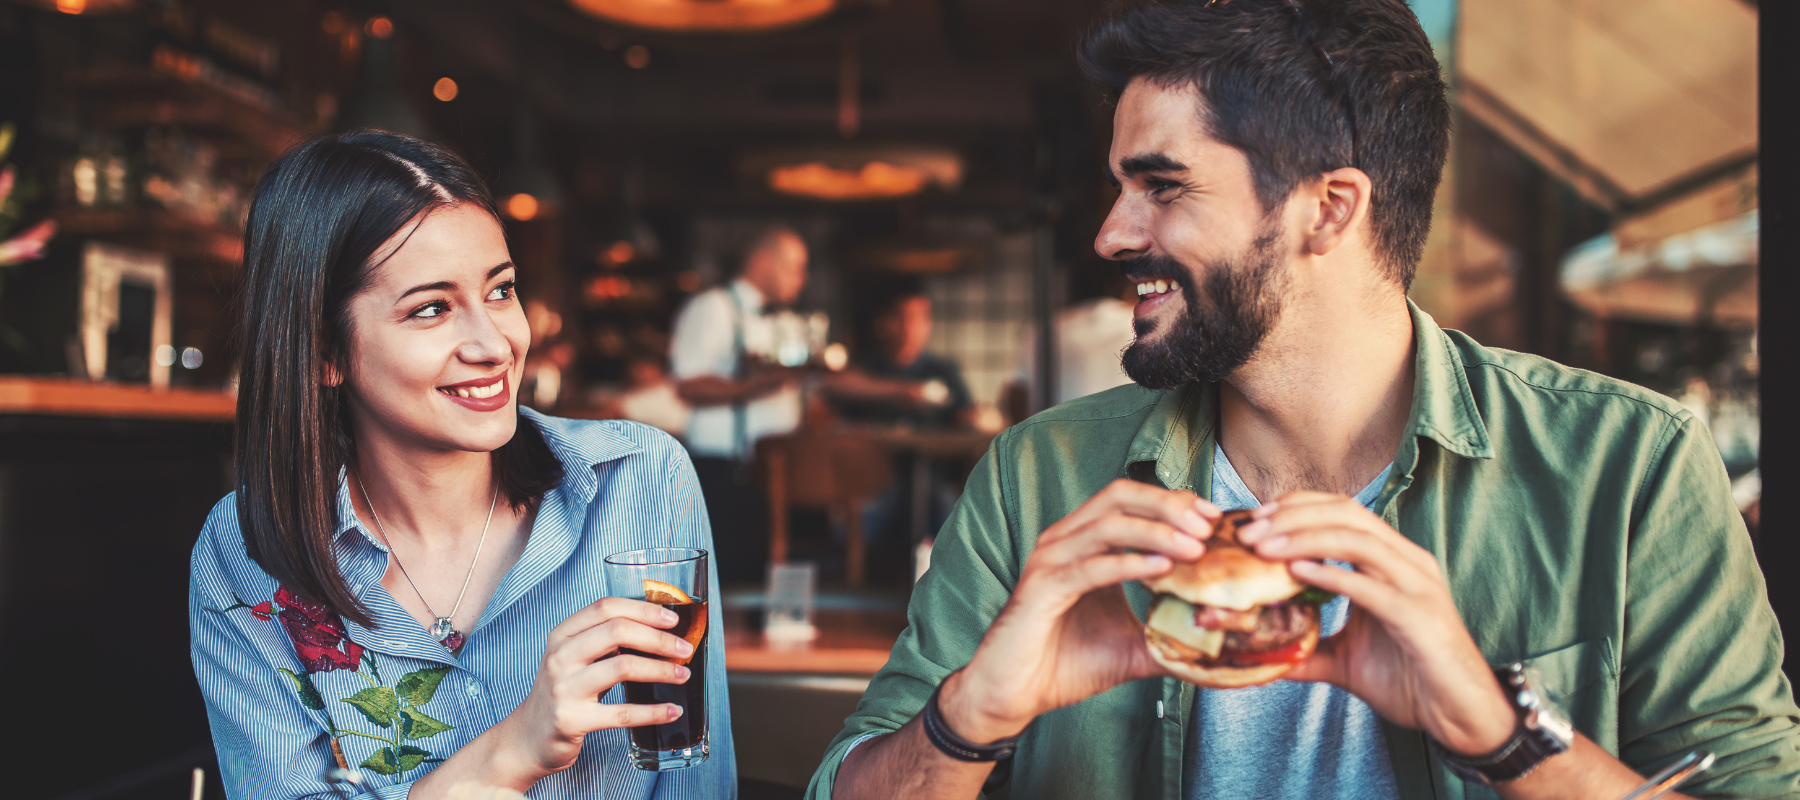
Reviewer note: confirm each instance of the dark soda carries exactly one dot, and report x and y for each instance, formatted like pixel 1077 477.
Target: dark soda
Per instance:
pixel 688 729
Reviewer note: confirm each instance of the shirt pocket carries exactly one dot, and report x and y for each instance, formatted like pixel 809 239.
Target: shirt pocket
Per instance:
pixel 1585 678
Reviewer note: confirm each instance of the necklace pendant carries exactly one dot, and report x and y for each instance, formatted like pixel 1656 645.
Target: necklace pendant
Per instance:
pixel 442 629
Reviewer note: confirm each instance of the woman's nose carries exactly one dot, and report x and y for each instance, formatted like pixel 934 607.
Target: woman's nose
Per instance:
pixel 483 341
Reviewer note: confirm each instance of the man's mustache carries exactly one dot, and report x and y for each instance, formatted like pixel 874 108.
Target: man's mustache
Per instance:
pixel 1155 266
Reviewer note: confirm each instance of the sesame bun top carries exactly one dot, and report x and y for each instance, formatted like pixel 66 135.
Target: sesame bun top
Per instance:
pixel 1228 576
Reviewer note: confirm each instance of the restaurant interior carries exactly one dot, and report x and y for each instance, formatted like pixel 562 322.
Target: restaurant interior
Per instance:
pixel 1600 207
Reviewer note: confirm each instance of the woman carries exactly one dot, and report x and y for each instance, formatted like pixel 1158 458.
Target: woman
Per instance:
pixel 408 579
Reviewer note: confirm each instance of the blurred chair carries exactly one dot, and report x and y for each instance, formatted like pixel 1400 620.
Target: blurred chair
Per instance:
pixel 839 473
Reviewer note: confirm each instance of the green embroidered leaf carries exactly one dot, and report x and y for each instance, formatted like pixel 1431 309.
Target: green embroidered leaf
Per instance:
pixel 419 686
pixel 416 724
pixel 382 762
pixel 411 757
pixel 369 658
pixel 378 703
pixel 303 686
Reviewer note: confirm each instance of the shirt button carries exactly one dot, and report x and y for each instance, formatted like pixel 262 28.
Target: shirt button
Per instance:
pixel 1159 709
pixel 474 689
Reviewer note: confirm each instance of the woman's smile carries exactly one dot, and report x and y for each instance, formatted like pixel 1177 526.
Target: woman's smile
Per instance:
pixel 481 394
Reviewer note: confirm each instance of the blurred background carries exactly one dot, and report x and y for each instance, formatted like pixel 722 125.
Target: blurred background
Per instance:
pixel 896 200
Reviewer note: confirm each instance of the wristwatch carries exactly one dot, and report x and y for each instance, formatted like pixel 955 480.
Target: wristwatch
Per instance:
pixel 1544 730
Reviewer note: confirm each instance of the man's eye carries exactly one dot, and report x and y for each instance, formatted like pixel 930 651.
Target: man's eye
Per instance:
pixel 435 308
pixel 503 292
pixel 1160 188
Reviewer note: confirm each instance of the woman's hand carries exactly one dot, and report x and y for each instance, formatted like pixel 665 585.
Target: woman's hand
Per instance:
pixel 581 662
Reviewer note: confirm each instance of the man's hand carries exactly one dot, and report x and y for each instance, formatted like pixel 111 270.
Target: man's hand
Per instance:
pixel 1066 633
pixel 1404 650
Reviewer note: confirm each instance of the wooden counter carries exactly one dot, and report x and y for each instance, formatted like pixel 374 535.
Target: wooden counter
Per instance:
pixel 849 643
pixel 69 397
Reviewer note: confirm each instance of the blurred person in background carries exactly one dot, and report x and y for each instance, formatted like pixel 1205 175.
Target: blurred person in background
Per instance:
pixel 1090 335
pixel 737 396
pixel 892 380
pixel 650 397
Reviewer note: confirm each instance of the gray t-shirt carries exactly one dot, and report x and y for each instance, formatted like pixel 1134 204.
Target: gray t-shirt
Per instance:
pixel 1285 740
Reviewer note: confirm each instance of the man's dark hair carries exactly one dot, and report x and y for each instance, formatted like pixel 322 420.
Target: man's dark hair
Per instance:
pixel 1302 87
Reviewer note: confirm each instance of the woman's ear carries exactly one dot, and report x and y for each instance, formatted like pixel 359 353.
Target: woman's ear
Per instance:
pixel 1342 198
pixel 330 375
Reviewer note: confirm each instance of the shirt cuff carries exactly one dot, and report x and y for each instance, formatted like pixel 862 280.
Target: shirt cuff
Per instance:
pixel 853 745
pixel 395 792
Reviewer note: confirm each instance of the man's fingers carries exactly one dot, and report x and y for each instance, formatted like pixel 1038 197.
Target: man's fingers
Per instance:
pixel 1345 514
pixel 1184 510
pixel 1077 579
pixel 1119 532
pixel 1373 596
pixel 1370 556
pixel 592 644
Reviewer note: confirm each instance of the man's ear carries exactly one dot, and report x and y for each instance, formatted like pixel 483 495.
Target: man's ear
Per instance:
pixel 1341 205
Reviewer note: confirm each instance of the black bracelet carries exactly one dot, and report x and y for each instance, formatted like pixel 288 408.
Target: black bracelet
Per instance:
pixel 957 747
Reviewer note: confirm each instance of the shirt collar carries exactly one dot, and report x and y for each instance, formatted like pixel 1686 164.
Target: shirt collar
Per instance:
pixel 1179 429
pixel 748 295
pixel 578 447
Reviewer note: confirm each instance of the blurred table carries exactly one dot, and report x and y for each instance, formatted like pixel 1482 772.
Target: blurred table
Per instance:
pixel 66 397
pixel 851 642
pixel 922 447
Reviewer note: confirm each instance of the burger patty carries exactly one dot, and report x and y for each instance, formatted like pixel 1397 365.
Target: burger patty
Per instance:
pixel 1276 627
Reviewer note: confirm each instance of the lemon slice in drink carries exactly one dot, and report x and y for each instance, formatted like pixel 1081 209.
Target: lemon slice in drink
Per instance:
pixel 666 594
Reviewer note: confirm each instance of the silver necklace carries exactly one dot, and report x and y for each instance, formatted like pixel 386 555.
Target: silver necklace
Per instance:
pixel 443 629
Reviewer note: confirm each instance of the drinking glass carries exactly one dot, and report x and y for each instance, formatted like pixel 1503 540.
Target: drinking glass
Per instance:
pixel 675 579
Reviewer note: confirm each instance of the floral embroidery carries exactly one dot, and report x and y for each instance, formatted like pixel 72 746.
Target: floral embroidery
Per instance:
pixel 324 646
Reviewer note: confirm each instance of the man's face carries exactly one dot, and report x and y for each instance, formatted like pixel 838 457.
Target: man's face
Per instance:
pixel 779 268
pixel 1190 231
pixel 905 329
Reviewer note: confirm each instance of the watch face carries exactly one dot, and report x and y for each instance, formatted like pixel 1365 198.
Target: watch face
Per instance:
pixel 1550 715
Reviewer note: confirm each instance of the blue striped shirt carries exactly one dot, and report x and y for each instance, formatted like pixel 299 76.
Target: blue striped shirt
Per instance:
pixel 284 679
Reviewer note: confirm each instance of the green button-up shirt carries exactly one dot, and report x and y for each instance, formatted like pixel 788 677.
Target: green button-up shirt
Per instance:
pixel 1585 525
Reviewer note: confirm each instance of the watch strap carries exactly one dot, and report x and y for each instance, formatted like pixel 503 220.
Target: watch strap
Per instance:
pixel 947 742
pixel 1529 746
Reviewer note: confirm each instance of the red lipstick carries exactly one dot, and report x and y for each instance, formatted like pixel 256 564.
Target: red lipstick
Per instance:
pixel 483 394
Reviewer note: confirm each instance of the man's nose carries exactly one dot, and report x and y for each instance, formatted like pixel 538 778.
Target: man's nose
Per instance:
pixel 1123 236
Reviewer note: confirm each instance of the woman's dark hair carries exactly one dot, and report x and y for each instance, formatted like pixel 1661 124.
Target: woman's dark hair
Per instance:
pixel 1302 87
pixel 319 215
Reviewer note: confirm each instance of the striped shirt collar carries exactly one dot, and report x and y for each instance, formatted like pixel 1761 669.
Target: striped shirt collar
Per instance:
pixel 555 532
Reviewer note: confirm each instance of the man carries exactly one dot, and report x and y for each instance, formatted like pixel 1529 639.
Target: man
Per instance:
pixel 1277 162
pixel 737 397
pixel 905 383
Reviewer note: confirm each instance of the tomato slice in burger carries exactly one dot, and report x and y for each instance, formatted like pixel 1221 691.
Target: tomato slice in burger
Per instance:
pixel 1290 654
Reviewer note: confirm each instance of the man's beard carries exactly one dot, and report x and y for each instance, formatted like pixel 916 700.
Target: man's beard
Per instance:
pixel 1221 328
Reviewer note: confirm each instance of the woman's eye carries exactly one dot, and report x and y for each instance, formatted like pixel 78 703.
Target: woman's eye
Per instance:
pixel 503 292
pixel 435 308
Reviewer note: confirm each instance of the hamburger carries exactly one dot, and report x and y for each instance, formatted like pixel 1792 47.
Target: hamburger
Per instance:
pixel 1232 618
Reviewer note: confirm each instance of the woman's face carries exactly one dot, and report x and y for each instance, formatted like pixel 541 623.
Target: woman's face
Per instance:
pixel 439 337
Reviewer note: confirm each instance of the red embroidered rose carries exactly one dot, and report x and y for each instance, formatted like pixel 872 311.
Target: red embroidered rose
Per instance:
pixel 319 636
pixel 263 611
